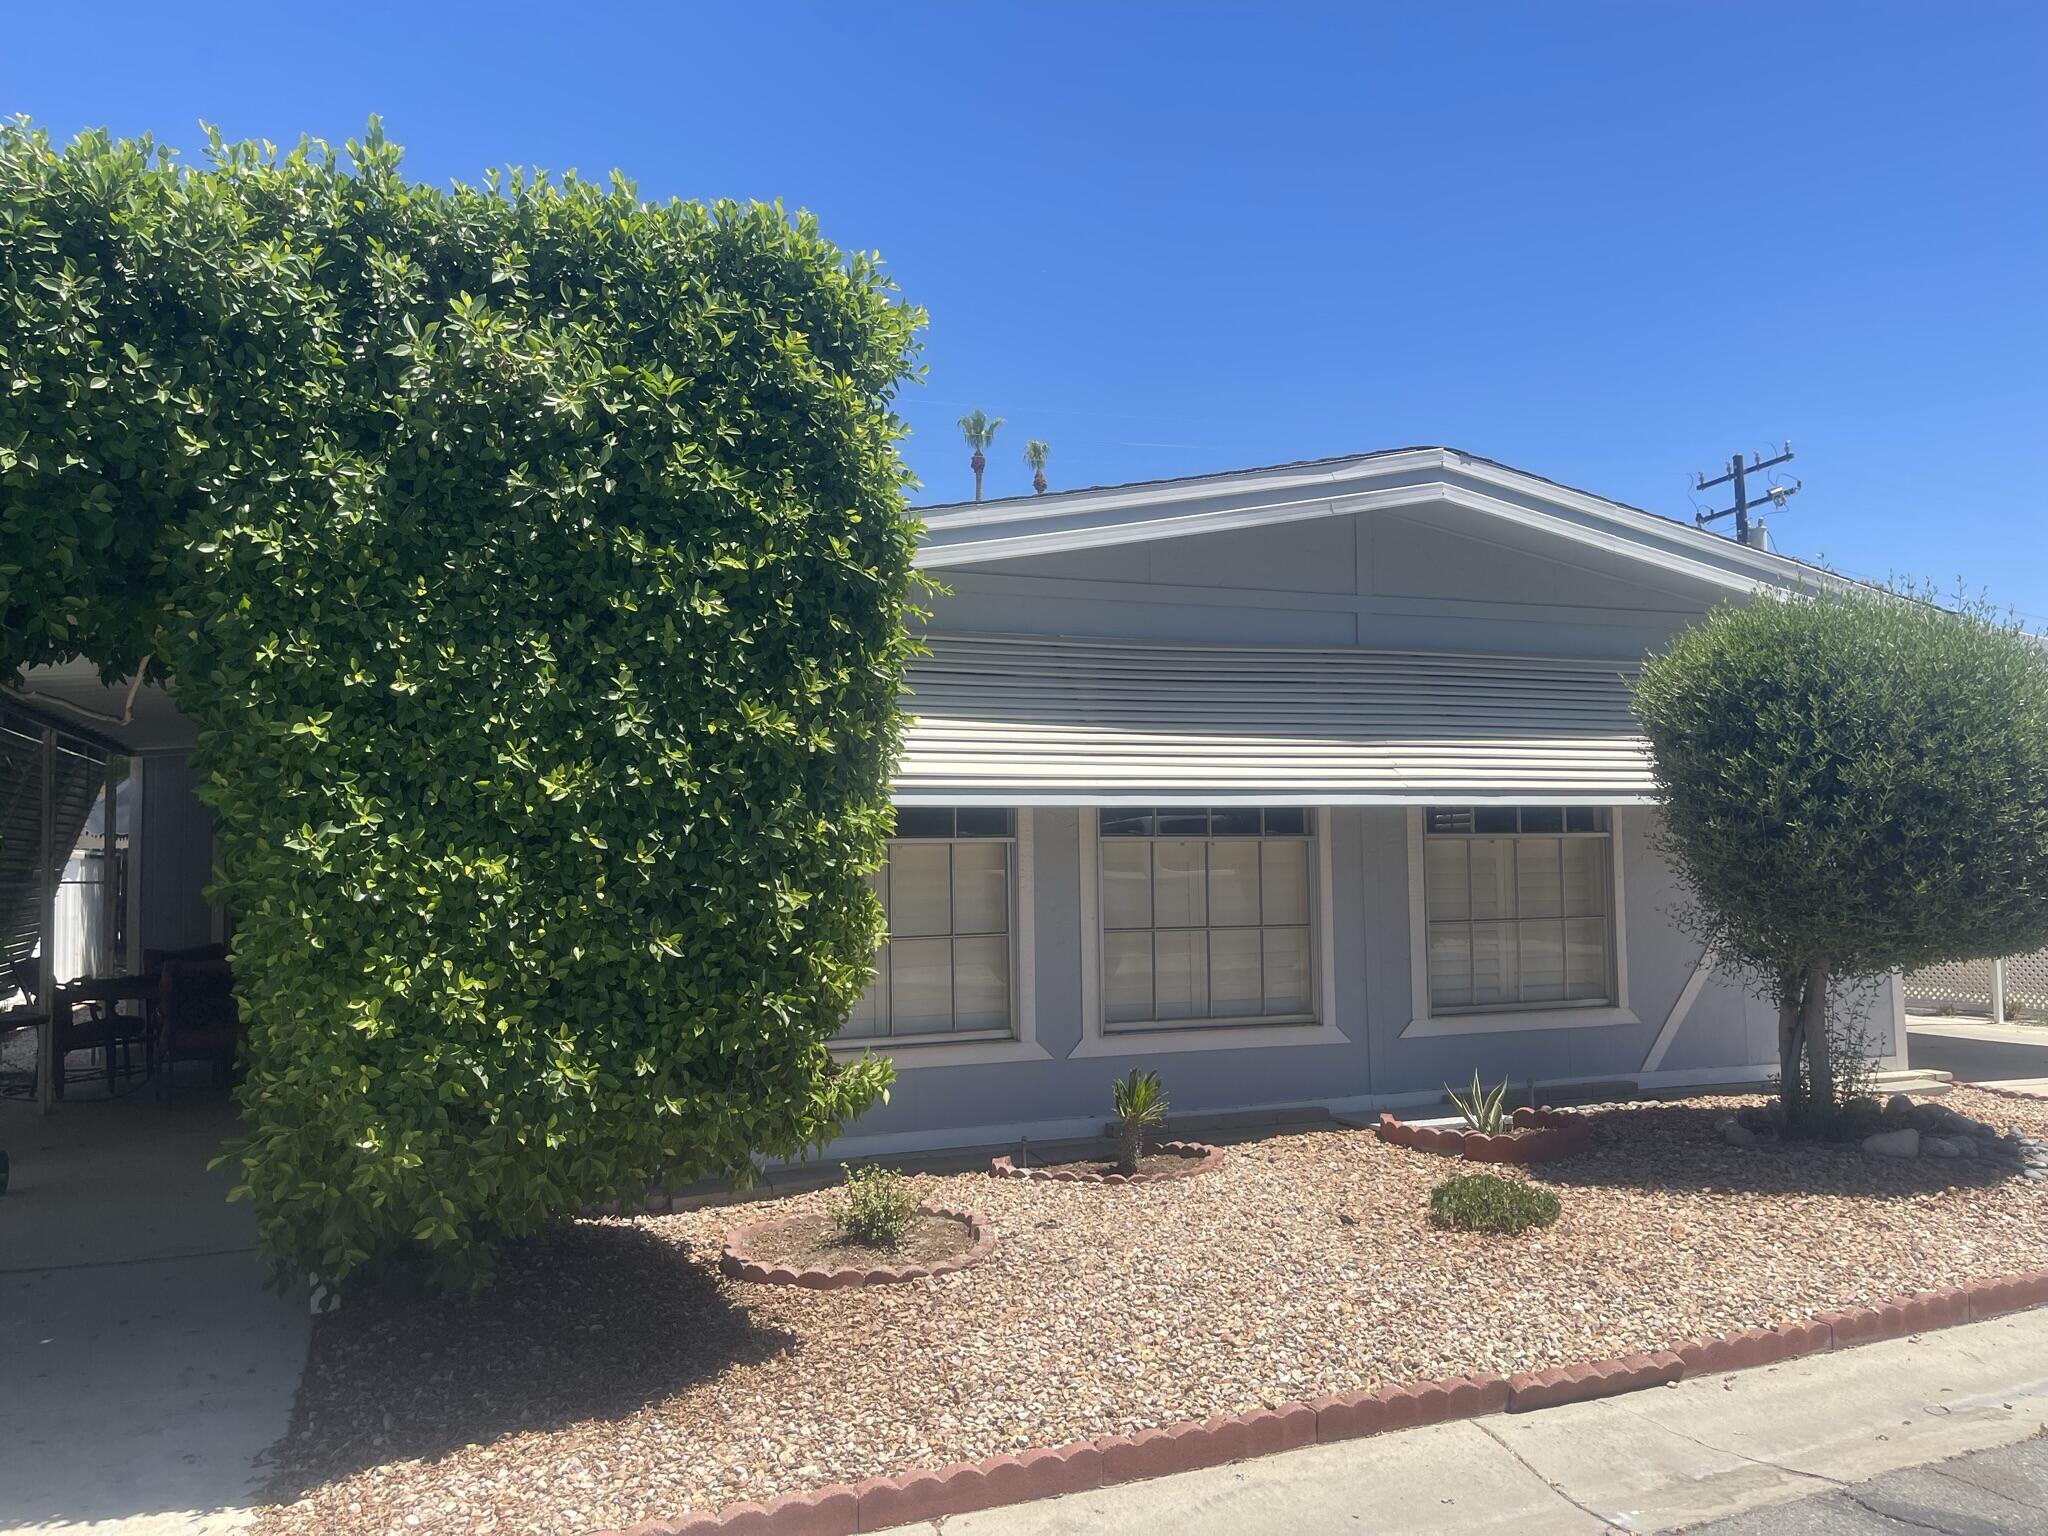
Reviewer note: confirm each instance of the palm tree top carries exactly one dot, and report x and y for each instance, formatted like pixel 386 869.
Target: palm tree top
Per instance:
pixel 979 428
pixel 1034 453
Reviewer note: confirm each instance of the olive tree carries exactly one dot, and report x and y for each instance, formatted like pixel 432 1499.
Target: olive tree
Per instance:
pixel 1855 781
pixel 532 558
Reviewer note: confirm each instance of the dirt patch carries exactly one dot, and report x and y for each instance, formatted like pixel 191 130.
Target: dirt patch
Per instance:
pixel 614 1376
pixel 810 1242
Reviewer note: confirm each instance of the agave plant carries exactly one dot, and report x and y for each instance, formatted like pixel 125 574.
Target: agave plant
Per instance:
pixel 1034 455
pixel 979 428
pixel 1484 1109
pixel 1140 1104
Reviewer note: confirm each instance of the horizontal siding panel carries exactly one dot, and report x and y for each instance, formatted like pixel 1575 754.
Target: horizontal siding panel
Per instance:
pixel 1102 721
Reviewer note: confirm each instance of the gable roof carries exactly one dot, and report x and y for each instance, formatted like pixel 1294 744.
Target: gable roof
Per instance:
pixel 970 533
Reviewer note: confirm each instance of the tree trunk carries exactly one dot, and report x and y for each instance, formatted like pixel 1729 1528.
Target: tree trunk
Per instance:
pixel 1789 1039
pixel 978 463
pixel 1813 1024
pixel 1038 482
pixel 1130 1141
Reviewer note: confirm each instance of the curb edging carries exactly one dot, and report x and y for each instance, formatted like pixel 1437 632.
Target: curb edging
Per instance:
pixel 1201 1157
pixel 734 1262
pixel 932 1494
pixel 1539 1136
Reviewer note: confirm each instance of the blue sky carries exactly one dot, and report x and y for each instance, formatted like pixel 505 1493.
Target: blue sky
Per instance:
pixel 1608 243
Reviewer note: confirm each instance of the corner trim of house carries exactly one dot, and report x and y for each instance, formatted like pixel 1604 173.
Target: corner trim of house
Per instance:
pixel 1681 1009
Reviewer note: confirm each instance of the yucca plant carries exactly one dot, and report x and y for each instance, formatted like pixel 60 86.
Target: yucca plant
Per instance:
pixel 1484 1109
pixel 1034 455
pixel 1140 1104
pixel 979 428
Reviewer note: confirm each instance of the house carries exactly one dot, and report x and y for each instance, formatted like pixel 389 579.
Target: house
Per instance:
pixel 1307 785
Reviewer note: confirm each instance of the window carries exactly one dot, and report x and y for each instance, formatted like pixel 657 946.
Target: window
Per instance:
pixel 1518 903
pixel 1205 915
pixel 945 969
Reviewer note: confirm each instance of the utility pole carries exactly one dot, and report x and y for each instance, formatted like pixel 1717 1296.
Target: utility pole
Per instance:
pixel 1738 473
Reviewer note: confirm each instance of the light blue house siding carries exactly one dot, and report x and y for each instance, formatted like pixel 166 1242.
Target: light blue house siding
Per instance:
pixel 1449 557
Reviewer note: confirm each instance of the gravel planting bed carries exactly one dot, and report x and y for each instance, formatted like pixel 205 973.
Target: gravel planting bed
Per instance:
pixel 613 1376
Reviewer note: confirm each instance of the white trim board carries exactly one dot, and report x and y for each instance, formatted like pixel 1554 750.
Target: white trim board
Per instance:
pixel 910 1055
pixel 1681 1008
pixel 1756 1074
pixel 1097 1041
pixel 1420 477
pixel 1422 1024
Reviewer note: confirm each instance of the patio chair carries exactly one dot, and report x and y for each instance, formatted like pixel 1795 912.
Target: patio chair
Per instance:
pixel 197 1019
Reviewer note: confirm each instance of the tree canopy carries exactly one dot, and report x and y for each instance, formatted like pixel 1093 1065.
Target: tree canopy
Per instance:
pixel 1854 781
pixel 533 560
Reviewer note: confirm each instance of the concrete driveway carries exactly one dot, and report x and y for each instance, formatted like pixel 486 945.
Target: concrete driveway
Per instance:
pixel 1978 1051
pixel 144 1369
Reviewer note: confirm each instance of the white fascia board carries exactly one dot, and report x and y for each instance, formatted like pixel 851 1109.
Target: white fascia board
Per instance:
pixel 1086 520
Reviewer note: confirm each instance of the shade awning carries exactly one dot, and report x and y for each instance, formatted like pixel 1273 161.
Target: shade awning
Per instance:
pixel 1029 720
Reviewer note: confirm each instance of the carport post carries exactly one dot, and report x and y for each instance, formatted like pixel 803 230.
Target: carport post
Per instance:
pixel 48 1062
pixel 1998 991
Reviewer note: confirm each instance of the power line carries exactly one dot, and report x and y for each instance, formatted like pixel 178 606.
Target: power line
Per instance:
pixel 1738 474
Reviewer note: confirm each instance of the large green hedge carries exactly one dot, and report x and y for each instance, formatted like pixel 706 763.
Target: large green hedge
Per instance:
pixel 533 560
pixel 1854 782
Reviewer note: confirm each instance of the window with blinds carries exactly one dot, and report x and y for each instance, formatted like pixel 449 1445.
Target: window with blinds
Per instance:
pixel 1206 915
pixel 947 890
pixel 1518 902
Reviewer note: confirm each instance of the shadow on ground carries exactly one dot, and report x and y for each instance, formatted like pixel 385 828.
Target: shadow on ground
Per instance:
pixel 1677 1148
pixel 592 1322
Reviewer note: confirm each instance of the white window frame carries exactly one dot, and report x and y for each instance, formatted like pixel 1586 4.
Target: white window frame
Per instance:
pixel 1224 1035
pixel 950 1049
pixel 1502 1020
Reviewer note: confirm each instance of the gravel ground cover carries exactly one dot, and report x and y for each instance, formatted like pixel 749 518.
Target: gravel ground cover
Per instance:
pixel 613 1376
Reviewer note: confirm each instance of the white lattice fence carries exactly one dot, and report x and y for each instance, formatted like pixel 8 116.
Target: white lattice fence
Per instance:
pixel 1966 984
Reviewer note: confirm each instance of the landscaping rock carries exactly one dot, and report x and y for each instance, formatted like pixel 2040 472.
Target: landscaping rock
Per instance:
pixel 1898 1104
pixel 1940 1146
pixel 1904 1143
pixel 1735 1133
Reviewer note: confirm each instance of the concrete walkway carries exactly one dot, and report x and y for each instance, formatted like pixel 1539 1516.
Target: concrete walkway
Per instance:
pixel 143 1367
pixel 1979 1051
pixel 1662 1460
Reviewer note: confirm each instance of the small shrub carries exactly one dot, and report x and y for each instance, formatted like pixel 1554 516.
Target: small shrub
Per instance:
pixel 1486 1202
pixel 1484 1109
pixel 1140 1103
pixel 875 1208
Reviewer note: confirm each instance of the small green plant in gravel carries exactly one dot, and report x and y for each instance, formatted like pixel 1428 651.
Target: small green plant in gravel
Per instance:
pixel 1484 1109
pixel 1486 1202
pixel 1140 1103
pixel 875 1208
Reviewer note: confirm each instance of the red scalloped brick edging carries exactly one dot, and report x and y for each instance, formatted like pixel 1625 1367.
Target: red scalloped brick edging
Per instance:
pixel 1200 1158
pixel 934 1494
pixel 736 1262
pixel 1539 1136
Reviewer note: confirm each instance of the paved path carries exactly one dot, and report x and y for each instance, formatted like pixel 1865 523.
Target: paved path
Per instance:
pixel 143 1367
pixel 1667 1459
pixel 1978 1051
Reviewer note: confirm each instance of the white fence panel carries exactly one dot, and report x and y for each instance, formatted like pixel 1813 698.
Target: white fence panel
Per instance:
pixel 1965 985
